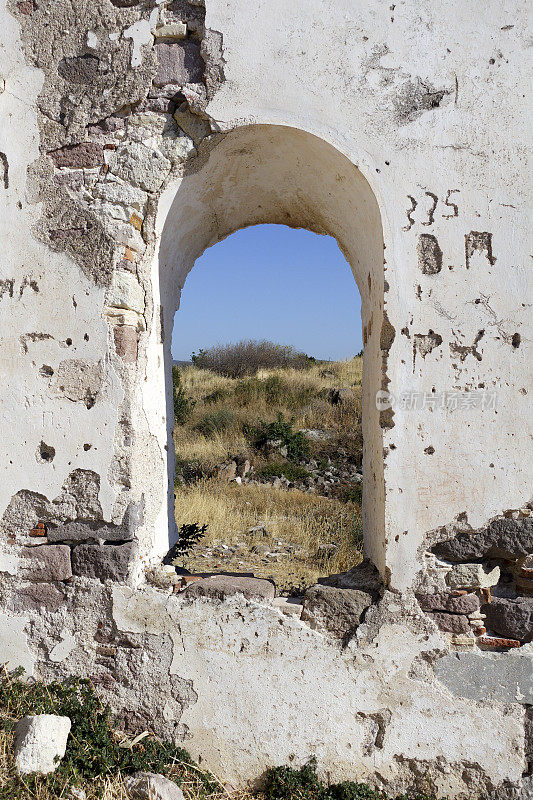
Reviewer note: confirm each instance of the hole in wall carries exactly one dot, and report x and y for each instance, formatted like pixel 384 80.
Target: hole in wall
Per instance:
pixel 45 453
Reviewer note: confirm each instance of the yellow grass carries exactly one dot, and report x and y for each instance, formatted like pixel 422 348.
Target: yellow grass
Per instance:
pixel 293 517
pixel 249 408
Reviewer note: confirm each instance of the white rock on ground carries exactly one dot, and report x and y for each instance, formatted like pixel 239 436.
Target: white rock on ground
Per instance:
pixel 150 786
pixel 40 743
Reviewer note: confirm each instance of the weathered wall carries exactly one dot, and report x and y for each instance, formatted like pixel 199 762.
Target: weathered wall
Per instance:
pixel 136 134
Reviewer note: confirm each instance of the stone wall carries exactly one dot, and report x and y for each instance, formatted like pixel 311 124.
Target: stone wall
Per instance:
pixel 137 133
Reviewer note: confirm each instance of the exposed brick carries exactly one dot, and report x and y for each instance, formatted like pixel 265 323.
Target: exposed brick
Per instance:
pixel 46 563
pixel 490 642
pixel 77 156
pixel 178 63
pixel 451 623
pixel 26 6
pixel 106 562
pixel 126 342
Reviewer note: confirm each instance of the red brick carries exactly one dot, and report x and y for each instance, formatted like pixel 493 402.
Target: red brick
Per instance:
pixel 491 641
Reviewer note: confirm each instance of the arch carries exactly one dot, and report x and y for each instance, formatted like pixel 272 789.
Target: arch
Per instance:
pixel 272 174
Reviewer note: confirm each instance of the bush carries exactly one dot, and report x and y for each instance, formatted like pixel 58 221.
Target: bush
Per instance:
pixel 284 469
pixel 183 405
pixel 213 422
pixel 188 471
pixel 246 357
pixel 287 783
pixel 189 535
pixel 295 442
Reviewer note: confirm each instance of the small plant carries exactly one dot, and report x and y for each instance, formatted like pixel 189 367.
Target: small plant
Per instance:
pixel 280 430
pixel 183 405
pixel 284 469
pixel 189 536
pixel 213 422
pixel 287 783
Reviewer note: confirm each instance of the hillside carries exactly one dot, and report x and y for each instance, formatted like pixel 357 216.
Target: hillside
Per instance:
pixel 271 463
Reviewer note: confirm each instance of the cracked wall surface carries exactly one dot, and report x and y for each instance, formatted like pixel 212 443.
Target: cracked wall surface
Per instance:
pixel 136 133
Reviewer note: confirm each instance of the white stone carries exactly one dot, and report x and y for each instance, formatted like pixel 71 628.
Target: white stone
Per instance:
pixel 175 30
pixel 150 786
pixel 40 743
pixel 472 576
pixel 126 292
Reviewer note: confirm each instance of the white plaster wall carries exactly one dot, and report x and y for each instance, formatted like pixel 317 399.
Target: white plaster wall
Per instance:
pixel 66 306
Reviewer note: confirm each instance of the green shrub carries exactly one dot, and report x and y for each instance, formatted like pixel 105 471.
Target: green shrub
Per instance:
pixel 215 397
pixel 280 430
pixel 213 422
pixel 188 471
pixel 183 405
pixel 284 469
pixel 246 357
pixel 287 783
pixel 93 749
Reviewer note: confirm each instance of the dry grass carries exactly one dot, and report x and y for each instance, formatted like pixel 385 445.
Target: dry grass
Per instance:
pixel 299 519
pixel 298 393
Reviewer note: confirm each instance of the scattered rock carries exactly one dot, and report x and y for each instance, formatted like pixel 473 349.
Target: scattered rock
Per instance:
pixel 150 786
pixel 338 611
pixel 472 576
pixel 39 741
pixel 227 472
pixel 510 618
pixel 218 587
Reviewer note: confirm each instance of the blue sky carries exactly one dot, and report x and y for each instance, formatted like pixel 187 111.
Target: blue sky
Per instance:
pixel 271 282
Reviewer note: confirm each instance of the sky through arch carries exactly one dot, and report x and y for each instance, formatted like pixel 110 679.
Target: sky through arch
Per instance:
pixel 271 282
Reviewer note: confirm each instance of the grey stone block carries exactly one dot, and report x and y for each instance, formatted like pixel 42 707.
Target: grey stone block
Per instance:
pixel 46 563
pixel 218 587
pixel 445 601
pixel 336 610
pixel 503 538
pixel 364 577
pixel 511 618
pixel 507 678
pixel 77 156
pixel 39 595
pixel 106 562
pixel 451 623
pixel 78 531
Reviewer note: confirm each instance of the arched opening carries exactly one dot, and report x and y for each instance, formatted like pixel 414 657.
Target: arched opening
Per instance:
pixel 269 174
pixel 268 436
